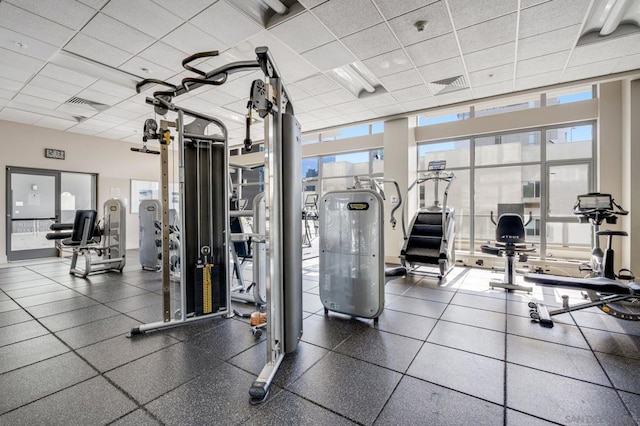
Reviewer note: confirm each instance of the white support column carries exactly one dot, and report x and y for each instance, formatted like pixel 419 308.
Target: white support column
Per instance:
pixel 631 173
pixel 400 164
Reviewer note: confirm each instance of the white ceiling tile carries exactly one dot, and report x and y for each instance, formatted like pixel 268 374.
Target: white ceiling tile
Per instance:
pixel 392 8
pixel 419 104
pixel 401 80
pixel 528 3
pixel 225 23
pixel 317 84
pixel 627 63
pixel 36 101
pixel 190 39
pixel 95 4
pixel 454 97
pixel 34 48
pixel 388 63
pixel 18 116
pixel 551 15
pixel 436 16
pixel 549 42
pixel 309 104
pixel 326 113
pixel 411 93
pixel 543 64
pixel 538 80
pixel 606 49
pixel 389 110
pixel 23 22
pixel 103 98
pixel 434 50
pixel 238 106
pixel 7 94
pixel 69 13
pixel 105 117
pixel 491 57
pixel 589 70
pixel 482 10
pixel 143 15
pixel 441 70
pixel 15 73
pixel 135 106
pixel 122 113
pixel 77 110
pixel 109 88
pixel 117 34
pixel 296 93
pixel 55 123
pixel 7 84
pixel 336 97
pixel 493 89
pixel 350 107
pixel 491 75
pixel 98 51
pixel 488 34
pixel 240 87
pixel 311 3
pixel 376 100
pixel 371 42
pixel 64 74
pixel 116 134
pixel 219 97
pixel 344 17
pixel 40 92
pixel 303 32
pixel 55 85
pixel 137 66
pixel 329 56
pixel 185 9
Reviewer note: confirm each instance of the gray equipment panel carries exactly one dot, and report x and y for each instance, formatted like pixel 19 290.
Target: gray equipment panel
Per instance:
pixel 150 212
pixel 352 252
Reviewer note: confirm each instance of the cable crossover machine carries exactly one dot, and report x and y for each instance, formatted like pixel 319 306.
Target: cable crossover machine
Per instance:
pixel 205 290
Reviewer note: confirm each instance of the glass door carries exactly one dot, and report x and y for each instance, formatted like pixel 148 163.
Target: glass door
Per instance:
pixel 33 205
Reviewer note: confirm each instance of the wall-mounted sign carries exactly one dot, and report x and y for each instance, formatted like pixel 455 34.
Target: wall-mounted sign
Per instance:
pixel 56 154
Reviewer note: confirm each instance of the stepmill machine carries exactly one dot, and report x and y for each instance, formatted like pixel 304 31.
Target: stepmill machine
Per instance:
pixel 430 241
pixel 204 207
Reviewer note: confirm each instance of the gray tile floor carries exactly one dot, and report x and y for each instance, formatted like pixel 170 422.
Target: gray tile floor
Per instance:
pixel 456 353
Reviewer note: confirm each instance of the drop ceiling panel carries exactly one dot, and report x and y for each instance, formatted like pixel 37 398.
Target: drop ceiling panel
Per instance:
pixel 218 97
pixel 7 94
pixel 627 63
pixel 371 42
pixel 350 107
pixel 143 15
pixel 15 73
pixel 388 63
pixel 453 97
pixel 102 98
pixel 491 57
pixel 18 116
pixel 546 43
pixel 317 84
pixel 117 34
pixel 411 93
pixel 551 16
pixel 54 123
pixel 483 10
pixel 64 74
pixel 55 85
pixel 36 101
pixel 543 64
pixel 225 23
pixel 31 47
pixel 378 100
pixel 441 70
pixel 136 106
pixel 360 116
pixel 588 70
pixel 347 17
pixel 109 88
pixel 137 66
pixel 185 9
pixel 389 110
pixel 311 3
pixel 336 97
pixel 434 50
pixel 29 24
pixel 435 15
pixel 95 4
pixel 98 51
pixel 296 93
pixel 401 80
pixel 607 49
pixel 326 113
pixel 303 32
pixel 538 80
pixel 40 92
pixel 392 8
pixel 70 13
pixel 121 113
pixel 192 40
pixel 488 34
pixel 309 104
pixel 492 89
pixel 7 84
pixel 329 56
pixel 491 75
pixel 418 104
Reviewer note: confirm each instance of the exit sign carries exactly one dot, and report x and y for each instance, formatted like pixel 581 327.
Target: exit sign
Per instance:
pixel 57 154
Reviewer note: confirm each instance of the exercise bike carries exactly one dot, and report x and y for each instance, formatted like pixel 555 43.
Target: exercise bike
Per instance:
pixel 601 285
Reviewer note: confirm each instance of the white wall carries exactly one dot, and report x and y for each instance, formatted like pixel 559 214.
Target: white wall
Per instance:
pixel 23 145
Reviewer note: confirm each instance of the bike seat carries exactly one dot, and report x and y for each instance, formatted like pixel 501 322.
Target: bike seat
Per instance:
pixel 616 233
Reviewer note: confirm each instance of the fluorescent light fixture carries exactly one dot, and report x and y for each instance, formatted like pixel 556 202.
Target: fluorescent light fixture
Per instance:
pixel 268 13
pixel 95 69
pixel 276 6
pixel 356 78
pixel 611 18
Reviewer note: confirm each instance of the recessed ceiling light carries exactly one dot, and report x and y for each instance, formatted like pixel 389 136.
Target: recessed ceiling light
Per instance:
pixel 21 44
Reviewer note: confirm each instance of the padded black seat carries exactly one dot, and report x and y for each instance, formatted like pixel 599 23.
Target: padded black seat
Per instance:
pixel 85 220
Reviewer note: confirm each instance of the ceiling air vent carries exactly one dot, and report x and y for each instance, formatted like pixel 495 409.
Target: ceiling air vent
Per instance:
pixel 448 85
pixel 87 103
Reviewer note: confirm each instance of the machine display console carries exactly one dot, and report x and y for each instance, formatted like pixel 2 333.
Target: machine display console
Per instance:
pixel 595 201
pixel 436 166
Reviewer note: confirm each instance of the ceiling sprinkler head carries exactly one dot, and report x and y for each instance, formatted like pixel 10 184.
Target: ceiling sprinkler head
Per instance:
pixel 420 25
